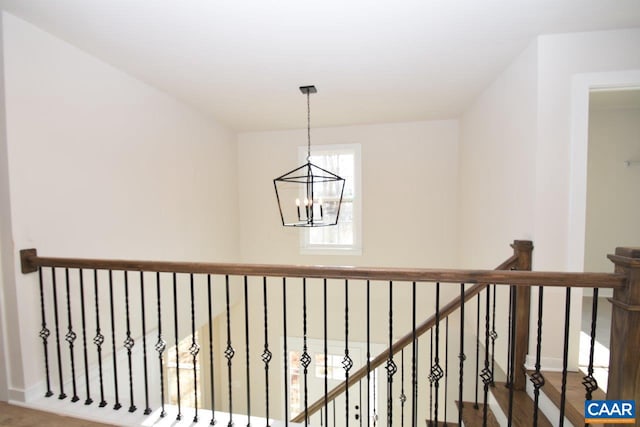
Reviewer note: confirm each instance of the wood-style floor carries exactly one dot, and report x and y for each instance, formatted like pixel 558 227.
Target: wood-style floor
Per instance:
pixel 17 416
pixel 522 412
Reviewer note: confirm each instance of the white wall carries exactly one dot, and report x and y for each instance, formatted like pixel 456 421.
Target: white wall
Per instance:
pixel 561 58
pixel 5 229
pixel 103 165
pixel 409 204
pixel 613 205
pixel 497 164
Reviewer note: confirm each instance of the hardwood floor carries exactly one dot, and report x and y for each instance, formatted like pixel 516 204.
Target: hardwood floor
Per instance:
pixel 17 416
pixel 574 408
pixel 472 417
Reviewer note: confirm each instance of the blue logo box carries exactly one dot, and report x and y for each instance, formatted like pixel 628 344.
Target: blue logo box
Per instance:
pixel 610 411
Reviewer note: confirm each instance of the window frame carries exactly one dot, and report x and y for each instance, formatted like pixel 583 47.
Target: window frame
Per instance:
pixel 307 248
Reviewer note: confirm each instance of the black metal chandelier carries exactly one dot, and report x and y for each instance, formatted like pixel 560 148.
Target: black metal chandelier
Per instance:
pixel 309 195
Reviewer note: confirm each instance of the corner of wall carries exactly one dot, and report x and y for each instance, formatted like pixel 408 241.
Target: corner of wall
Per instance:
pixel 6 256
pixel 496 186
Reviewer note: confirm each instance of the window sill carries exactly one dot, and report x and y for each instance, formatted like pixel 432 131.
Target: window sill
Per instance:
pixel 328 250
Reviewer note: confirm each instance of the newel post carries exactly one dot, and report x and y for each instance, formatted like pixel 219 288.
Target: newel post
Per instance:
pixel 624 357
pixel 523 249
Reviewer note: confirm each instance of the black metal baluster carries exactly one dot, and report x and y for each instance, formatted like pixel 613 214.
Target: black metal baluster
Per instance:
pixel 494 335
pixel 44 335
pixel 347 363
pixel 359 407
pixel 446 366
pixel 160 346
pixel 510 336
pixel 88 400
pixel 194 349
pixel 391 367
pixel 325 350
pixel 117 405
pixel 246 334
pixel 461 356
pixel 266 354
pixel 430 382
pixel 476 406
pixel 417 376
pixel 177 342
pixel 229 351
pixel 98 340
pixel 286 351
pixel 436 373
pixel 70 338
pixel 536 378
pixel 403 397
pixel 211 371
pixel 147 409
pixel 62 394
pixel 305 359
pixel 129 342
pixel 512 349
pixel 375 400
pixel 414 358
pixel 333 405
pixel 589 382
pixel 487 374
pixel 565 356
pixel 368 353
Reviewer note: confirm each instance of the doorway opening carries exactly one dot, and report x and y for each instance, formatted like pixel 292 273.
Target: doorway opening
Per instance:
pixel 612 206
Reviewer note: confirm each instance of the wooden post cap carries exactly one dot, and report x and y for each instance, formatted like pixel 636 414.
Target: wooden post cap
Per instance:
pixel 628 252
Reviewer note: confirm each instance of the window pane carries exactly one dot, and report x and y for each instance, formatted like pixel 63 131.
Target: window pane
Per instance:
pixel 341 234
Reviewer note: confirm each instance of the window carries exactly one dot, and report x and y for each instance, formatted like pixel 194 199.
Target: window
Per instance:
pixel 333 369
pixel 344 238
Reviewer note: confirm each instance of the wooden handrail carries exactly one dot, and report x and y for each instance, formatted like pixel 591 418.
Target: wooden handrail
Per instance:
pixel 31 262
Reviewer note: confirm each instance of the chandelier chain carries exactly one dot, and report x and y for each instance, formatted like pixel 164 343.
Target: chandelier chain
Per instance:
pixel 308 128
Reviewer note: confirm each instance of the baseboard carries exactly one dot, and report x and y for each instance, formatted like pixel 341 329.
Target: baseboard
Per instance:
pixel 497 410
pixel 30 394
pixel 552 364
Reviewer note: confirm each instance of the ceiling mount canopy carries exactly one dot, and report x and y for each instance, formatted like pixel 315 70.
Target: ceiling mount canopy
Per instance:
pixel 309 195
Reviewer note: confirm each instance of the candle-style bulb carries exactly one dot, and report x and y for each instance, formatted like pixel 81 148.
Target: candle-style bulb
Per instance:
pixel 306 208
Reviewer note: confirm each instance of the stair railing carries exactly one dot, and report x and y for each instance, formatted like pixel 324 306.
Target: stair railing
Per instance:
pixel 520 258
pixel 133 304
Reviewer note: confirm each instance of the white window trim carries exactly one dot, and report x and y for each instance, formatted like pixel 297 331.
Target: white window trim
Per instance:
pixel 326 249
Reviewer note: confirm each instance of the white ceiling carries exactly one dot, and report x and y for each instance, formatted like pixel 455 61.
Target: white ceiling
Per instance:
pixel 372 61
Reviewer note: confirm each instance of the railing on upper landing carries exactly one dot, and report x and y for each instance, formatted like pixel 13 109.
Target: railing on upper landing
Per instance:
pixel 249 344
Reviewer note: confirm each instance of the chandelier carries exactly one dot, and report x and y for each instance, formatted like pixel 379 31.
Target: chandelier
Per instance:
pixel 309 195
